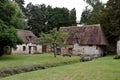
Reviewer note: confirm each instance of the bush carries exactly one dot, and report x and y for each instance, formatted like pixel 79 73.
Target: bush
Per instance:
pixel 37 53
pixel 117 57
pixel 32 67
pixel 17 70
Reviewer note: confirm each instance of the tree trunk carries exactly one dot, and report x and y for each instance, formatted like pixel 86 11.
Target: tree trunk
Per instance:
pixel 54 51
pixel 54 47
pixel 1 51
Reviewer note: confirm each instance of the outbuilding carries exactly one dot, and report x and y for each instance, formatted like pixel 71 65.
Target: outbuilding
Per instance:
pixel 86 40
pixel 30 44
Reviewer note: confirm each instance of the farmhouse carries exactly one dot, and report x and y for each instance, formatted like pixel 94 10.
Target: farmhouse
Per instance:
pixel 86 40
pixel 30 45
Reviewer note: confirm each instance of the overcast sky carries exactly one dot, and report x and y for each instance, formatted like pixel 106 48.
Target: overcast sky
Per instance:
pixel 79 5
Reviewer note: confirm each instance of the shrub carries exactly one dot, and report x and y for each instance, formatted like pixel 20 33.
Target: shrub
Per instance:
pixel 32 67
pixel 17 70
pixel 117 57
pixel 37 53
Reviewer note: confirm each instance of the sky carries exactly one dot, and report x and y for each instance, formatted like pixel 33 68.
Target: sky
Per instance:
pixel 79 5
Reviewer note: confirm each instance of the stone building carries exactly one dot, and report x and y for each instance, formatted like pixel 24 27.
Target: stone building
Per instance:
pixel 30 44
pixel 86 40
pixel 118 47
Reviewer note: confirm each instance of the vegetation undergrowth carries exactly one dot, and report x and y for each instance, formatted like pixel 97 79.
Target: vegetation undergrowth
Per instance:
pixel 117 57
pixel 47 62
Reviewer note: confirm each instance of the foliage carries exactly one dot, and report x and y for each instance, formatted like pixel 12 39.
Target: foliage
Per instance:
pixel 102 69
pixel 54 38
pixel 85 16
pixel 10 18
pixel 21 5
pixel 93 15
pixel 11 14
pixel 42 18
pixel 110 21
pixel 117 57
pixel 32 62
pixel 36 66
pixel 107 15
pixel 72 16
pixel 37 53
pixel 17 70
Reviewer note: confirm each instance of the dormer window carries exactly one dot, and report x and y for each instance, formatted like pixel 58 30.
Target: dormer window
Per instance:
pixel 75 40
pixel 30 38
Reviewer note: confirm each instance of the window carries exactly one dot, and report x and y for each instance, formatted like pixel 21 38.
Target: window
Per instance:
pixel 35 48
pixel 90 45
pixel 24 48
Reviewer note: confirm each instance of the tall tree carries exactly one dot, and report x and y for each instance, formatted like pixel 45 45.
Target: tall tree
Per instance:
pixel 21 4
pixel 110 20
pixel 42 18
pixel 92 2
pixel 72 16
pixel 93 15
pixel 36 17
pixel 85 15
pixel 61 17
pixel 11 14
pixel 10 18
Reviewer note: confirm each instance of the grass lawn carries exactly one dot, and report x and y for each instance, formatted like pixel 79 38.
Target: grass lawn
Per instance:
pixel 100 69
pixel 23 60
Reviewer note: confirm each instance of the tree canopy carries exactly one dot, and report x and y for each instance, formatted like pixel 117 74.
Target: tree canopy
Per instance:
pixel 21 4
pixel 105 14
pixel 110 20
pixel 10 18
pixel 42 18
pixel 92 15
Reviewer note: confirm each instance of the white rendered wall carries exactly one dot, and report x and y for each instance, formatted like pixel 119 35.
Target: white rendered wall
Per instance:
pixel 118 47
pixel 87 50
pixel 19 49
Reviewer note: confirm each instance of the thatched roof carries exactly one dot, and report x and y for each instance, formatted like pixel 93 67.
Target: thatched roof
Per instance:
pixel 85 35
pixel 27 36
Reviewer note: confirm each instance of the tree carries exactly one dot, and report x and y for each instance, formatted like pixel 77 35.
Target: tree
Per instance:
pixel 72 16
pixel 36 16
pixel 85 16
pixel 92 15
pixel 42 18
pixel 21 5
pixel 110 21
pixel 54 38
pixel 92 2
pixel 10 15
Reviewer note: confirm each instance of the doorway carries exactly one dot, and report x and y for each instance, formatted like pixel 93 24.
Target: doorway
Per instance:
pixel 29 49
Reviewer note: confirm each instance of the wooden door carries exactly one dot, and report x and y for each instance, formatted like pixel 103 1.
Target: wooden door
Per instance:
pixel 44 48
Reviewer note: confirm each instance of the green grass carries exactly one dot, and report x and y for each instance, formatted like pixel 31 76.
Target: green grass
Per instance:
pixel 99 69
pixel 23 60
